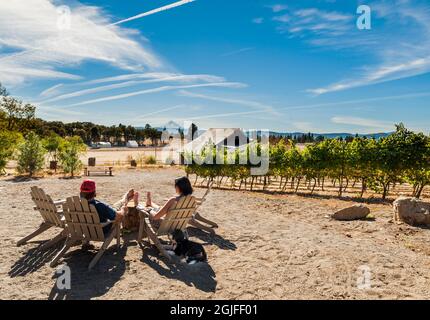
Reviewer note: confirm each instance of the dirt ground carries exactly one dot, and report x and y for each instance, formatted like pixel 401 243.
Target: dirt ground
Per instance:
pixel 123 155
pixel 268 246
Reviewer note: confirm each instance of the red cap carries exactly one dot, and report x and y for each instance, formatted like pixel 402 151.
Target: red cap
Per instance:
pixel 88 186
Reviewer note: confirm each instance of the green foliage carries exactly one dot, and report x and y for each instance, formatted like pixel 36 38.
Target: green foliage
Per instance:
pixel 52 144
pixel 150 160
pixel 69 154
pixel 404 156
pixel 15 115
pixel 8 142
pixel 31 155
pixel 18 116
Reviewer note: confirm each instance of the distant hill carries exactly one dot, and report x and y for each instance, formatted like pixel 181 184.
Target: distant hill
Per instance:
pixel 331 135
pixel 173 128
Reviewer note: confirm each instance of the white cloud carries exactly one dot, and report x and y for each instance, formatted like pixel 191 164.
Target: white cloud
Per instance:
pixel 232 53
pixel 258 20
pixel 376 125
pixel 398 48
pixel 51 90
pixel 45 111
pixel 159 89
pixel 29 28
pixel 285 18
pixel 311 22
pixel 223 115
pixel 303 126
pixel 157 76
pixel 380 74
pixel 150 78
pixel 247 103
pixel 278 7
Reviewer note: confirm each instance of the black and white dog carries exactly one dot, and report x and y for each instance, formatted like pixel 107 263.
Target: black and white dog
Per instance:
pixel 192 252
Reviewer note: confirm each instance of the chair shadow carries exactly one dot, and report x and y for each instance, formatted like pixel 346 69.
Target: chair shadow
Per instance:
pixel 86 284
pixel 315 195
pixel 33 260
pixel 200 275
pixel 210 239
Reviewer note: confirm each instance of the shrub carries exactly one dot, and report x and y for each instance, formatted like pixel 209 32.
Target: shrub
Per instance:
pixel 150 160
pixel 31 155
pixel 69 155
pixel 8 142
pixel 52 144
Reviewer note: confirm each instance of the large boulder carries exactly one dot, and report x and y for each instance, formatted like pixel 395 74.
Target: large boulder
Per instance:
pixel 412 211
pixel 355 212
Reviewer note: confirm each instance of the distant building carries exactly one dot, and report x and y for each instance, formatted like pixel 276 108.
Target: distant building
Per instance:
pixel 230 138
pixel 132 144
pixel 99 145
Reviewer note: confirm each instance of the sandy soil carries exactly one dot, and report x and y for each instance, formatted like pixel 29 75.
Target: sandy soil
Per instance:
pixel 268 246
pixel 123 155
pixel 118 157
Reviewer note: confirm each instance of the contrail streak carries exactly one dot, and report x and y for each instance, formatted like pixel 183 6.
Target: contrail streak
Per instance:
pixel 168 7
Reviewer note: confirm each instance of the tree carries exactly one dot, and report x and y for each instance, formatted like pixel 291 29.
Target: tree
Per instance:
pixel 193 129
pixel 52 144
pixel 416 160
pixel 69 155
pixel 394 155
pixel 361 160
pixel 18 115
pixel 31 155
pixel 8 142
pixel 95 134
pixel 3 91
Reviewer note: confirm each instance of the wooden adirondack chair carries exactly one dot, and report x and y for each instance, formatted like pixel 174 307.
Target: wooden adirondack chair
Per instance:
pixel 197 219
pixel 52 217
pixel 178 217
pixel 83 224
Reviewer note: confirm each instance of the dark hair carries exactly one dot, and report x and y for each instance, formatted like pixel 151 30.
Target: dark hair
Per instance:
pixel 178 235
pixel 88 195
pixel 184 186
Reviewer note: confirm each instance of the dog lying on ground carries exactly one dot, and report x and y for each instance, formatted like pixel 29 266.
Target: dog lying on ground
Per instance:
pixel 191 251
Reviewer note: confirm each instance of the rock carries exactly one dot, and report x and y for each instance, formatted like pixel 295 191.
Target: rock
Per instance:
pixel 355 212
pixel 412 211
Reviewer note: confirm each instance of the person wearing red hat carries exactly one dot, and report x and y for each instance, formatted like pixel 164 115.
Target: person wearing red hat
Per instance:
pixel 105 212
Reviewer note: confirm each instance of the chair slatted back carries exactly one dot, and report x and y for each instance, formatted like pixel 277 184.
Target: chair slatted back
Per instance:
pixel 178 216
pixel 45 206
pixel 203 199
pixel 82 220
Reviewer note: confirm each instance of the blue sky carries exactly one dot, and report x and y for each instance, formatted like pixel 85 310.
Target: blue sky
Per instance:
pixel 279 65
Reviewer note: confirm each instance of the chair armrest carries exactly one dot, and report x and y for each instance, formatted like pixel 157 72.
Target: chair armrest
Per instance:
pixel 104 224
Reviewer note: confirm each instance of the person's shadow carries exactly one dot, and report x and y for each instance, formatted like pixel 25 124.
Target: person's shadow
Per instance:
pixel 85 284
pixel 200 275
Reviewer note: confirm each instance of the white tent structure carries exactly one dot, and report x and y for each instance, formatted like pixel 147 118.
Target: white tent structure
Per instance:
pixel 230 138
pixel 132 144
pixel 99 145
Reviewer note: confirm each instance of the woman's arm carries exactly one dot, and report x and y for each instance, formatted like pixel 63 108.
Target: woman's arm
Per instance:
pixel 164 209
pixel 120 214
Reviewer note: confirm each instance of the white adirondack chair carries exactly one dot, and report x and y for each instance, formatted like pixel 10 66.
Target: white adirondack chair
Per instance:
pixel 197 219
pixel 83 225
pixel 51 214
pixel 176 218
